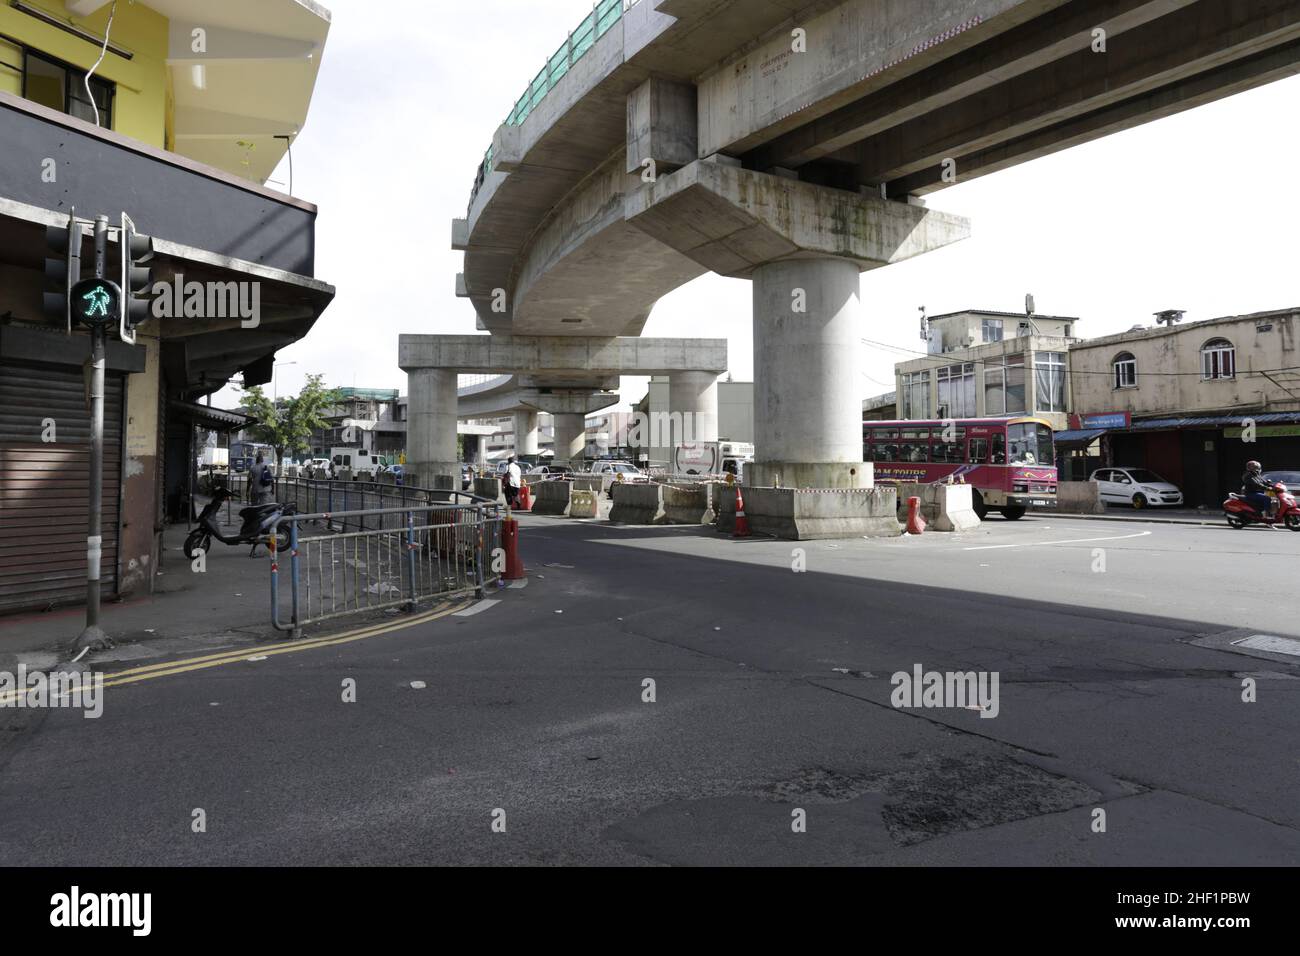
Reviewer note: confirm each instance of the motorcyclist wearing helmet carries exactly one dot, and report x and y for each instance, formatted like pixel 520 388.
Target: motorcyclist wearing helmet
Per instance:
pixel 1256 489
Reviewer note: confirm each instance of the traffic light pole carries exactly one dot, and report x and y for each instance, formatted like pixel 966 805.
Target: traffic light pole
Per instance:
pixel 94 637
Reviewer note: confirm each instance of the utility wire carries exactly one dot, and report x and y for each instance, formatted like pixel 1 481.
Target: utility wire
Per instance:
pixel 102 53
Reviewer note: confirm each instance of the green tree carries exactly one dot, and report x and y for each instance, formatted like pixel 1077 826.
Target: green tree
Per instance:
pixel 287 423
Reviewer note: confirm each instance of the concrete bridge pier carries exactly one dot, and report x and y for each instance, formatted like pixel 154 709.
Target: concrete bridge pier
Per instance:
pixel 473 449
pixel 570 436
pixel 527 433
pixel 431 428
pixel 693 407
pixel 807 405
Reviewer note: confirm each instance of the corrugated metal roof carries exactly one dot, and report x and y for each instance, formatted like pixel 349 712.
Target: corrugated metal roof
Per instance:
pixel 1264 418
pixel 1078 436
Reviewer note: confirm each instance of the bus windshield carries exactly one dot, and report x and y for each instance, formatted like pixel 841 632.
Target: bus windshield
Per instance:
pixel 1029 444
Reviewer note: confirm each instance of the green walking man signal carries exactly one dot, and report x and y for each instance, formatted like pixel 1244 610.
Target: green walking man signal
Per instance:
pixel 96 301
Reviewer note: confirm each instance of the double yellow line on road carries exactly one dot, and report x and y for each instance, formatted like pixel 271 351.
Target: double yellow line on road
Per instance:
pixel 169 668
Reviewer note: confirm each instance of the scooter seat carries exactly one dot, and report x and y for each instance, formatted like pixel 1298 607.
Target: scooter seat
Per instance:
pixel 257 511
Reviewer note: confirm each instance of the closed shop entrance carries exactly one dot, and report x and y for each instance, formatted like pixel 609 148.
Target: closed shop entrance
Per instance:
pixel 45 485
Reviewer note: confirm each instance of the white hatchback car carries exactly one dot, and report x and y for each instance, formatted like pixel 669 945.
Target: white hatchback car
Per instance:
pixel 1137 487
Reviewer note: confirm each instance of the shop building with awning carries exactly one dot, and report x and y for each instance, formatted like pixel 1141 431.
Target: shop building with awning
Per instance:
pixel 172 137
pixel 1192 402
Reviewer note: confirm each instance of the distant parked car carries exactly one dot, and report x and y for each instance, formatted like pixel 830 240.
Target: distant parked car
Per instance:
pixel 628 470
pixel 1289 478
pixel 548 472
pixel 1136 487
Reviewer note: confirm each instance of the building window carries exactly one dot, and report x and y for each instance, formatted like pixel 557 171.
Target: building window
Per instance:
pixel 62 87
pixel 916 394
pixel 1049 381
pixel 992 329
pixel 1126 370
pixel 957 391
pixel 1218 359
pixel 995 390
pixel 1004 386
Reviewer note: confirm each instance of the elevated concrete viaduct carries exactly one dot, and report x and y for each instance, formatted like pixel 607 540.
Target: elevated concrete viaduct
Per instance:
pixel 790 143
pixel 567 376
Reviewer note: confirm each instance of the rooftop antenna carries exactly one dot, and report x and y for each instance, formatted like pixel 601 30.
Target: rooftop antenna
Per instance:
pixel 1029 313
pixel 925 324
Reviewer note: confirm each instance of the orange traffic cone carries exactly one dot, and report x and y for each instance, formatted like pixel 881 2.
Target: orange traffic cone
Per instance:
pixel 742 523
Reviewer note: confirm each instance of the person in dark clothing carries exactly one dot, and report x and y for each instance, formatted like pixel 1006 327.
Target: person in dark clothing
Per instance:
pixel 263 482
pixel 1256 489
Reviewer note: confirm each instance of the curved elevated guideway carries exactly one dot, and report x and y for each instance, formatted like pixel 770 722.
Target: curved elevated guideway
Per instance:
pixel 791 143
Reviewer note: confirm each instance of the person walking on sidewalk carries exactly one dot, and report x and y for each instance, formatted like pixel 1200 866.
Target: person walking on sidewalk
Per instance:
pixel 514 479
pixel 263 482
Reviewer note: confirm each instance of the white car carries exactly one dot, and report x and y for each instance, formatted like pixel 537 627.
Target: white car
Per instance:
pixel 629 471
pixel 1136 487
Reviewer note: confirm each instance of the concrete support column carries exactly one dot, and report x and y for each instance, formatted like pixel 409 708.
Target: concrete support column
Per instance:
pixel 807 394
pixel 431 427
pixel 693 407
pixel 570 436
pixel 527 433
pixel 473 449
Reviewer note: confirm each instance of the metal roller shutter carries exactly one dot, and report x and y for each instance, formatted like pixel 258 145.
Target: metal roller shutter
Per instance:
pixel 44 486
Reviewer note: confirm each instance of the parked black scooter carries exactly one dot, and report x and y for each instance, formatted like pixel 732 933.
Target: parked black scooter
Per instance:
pixel 255 530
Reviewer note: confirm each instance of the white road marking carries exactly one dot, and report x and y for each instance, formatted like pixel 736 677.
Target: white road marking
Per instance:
pixel 521 583
pixel 1036 544
pixel 480 606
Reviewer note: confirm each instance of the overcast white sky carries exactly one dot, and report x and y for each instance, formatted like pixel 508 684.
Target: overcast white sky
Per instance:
pixel 1200 211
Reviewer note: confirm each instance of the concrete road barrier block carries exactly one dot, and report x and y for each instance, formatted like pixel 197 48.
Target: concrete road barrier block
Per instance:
pixel 687 504
pixel 1079 498
pixel 489 488
pixel 944 507
pixel 552 498
pixel 584 504
pixel 805 514
pixel 638 504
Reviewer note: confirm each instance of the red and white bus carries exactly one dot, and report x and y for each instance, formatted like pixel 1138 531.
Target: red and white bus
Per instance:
pixel 1008 461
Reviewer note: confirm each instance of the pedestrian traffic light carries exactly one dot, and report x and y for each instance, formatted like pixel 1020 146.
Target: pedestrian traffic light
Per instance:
pixel 96 301
pixel 137 278
pixel 62 269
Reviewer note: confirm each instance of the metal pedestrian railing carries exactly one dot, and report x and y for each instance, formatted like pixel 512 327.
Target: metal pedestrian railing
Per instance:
pixel 327 565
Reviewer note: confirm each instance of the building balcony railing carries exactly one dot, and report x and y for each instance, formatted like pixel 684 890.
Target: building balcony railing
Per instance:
pixel 54 161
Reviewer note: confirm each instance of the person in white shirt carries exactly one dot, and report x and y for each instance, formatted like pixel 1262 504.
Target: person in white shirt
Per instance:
pixel 514 481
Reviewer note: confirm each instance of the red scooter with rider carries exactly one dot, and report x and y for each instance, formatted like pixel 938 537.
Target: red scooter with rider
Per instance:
pixel 1261 502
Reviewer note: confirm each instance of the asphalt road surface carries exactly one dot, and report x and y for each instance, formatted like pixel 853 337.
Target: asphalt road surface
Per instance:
pixel 1121 735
